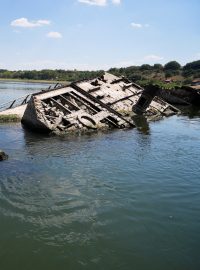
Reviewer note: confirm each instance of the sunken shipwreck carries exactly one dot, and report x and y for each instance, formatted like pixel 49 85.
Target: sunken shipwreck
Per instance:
pixel 105 102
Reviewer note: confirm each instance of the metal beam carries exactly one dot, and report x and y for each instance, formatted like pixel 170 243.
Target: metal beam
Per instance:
pixel 77 88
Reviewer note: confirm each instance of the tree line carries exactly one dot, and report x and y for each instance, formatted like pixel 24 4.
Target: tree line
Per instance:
pixel 135 73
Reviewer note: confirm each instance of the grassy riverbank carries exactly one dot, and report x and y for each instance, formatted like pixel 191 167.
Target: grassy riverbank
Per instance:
pixel 10 118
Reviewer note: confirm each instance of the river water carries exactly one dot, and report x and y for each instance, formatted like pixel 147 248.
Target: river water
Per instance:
pixel 13 90
pixel 127 199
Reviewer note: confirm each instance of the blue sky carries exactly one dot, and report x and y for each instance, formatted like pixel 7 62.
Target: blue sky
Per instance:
pixel 97 34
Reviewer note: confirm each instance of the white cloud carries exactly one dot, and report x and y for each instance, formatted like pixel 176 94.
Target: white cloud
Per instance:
pixel 94 2
pixel 139 25
pixel 101 3
pixel 43 22
pixel 136 25
pixel 55 35
pixel 116 2
pixel 24 22
pixel 153 57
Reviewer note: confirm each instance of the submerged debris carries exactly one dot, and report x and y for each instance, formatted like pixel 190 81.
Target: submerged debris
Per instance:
pixel 3 155
pixel 100 103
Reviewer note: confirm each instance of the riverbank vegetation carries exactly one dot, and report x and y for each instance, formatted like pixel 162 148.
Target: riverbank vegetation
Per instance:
pixel 9 118
pixel 171 73
pixel 31 81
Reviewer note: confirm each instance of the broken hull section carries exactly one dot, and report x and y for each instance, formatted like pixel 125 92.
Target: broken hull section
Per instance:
pixel 100 103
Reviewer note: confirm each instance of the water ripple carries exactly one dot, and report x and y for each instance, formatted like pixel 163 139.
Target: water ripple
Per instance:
pixel 115 193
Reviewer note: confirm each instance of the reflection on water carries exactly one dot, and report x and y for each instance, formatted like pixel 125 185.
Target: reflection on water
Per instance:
pixel 127 199
pixel 141 123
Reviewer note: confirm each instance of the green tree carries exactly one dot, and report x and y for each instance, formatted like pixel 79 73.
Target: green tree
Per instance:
pixel 145 67
pixel 172 65
pixel 158 67
pixel 193 65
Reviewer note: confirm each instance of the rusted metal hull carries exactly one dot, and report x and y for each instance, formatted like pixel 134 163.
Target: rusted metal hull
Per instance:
pixel 99 103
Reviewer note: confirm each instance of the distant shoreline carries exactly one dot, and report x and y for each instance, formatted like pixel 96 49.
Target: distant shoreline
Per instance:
pixel 32 81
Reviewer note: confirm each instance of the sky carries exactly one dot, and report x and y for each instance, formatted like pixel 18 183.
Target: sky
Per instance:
pixel 97 34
